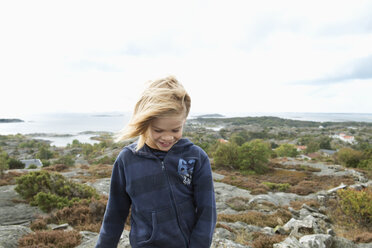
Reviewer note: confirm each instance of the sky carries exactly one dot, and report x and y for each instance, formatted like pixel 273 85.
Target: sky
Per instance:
pixel 231 56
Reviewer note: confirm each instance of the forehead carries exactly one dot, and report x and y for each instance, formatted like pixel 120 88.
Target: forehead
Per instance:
pixel 168 122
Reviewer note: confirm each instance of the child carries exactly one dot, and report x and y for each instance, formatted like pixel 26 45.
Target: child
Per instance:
pixel 164 178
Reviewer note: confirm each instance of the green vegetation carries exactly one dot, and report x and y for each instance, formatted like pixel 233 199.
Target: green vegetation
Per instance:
pixel 253 156
pixel 50 190
pixel 15 164
pixel 3 162
pixel 44 153
pixel 32 166
pixel 250 157
pixel 286 150
pixel 277 186
pixel 357 205
pixel 349 157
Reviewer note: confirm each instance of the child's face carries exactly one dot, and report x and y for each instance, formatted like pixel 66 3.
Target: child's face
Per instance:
pixel 164 132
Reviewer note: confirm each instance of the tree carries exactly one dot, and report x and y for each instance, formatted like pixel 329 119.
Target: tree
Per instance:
pixel 349 157
pixel 3 162
pixel 254 155
pixel 226 155
pixel 312 146
pixel 237 138
pixel 286 150
pixel 15 164
pixel 44 153
pixel 325 142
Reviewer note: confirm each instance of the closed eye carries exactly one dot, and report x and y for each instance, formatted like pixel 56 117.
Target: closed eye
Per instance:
pixel 175 130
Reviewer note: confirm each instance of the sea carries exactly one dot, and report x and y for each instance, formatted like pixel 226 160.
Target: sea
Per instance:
pixel 62 128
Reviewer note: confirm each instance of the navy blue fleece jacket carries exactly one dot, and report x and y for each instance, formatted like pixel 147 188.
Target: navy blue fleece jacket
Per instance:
pixel 172 201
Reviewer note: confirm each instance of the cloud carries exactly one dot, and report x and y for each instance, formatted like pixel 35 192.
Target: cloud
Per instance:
pixel 359 68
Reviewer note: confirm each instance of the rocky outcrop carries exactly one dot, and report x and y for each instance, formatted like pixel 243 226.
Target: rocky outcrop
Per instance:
pixel 9 235
pixel 90 240
pixel 13 210
pixel 308 227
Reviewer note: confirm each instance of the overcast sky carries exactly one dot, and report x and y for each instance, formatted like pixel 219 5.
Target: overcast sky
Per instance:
pixel 231 56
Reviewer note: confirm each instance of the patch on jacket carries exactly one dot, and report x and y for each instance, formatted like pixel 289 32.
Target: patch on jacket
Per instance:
pixel 185 170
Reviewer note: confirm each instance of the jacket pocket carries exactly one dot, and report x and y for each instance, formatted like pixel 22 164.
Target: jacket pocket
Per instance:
pixel 143 227
pixel 162 232
pixel 152 235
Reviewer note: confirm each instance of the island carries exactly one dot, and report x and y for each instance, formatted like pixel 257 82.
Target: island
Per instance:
pixel 10 120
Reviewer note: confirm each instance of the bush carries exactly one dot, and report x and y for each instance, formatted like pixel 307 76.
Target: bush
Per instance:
pixel 277 186
pixel 254 155
pixel 3 162
pixel 105 160
pixel 286 150
pixel 44 153
pixel 49 190
pixel 66 160
pixel 38 224
pixel 349 157
pixel 226 155
pixel 32 166
pixel 49 201
pixel 83 216
pixel 357 204
pixel 15 164
pixel 51 239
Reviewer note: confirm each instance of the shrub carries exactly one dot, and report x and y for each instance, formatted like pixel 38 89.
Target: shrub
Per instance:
pixel 15 164
pixel 349 157
pixel 3 162
pixel 357 204
pixel 51 190
pixel 66 160
pixel 254 155
pixel 44 153
pixel 286 150
pixel 226 155
pixel 84 215
pixel 305 188
pixel 266 241
pixel 277 186
pixel 51 239
pixel 56 167
pixel 105 160
pixel 38 224
pixel 32 166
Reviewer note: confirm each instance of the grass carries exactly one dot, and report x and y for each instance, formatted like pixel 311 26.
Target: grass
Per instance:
pixel 255 239
pixel 298 204
pixel 257 218
pixel 301 182
pixel 96 171
pixel 10 177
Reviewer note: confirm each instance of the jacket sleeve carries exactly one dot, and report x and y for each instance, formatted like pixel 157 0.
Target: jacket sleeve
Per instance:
pixel 116 210
pixel 202 233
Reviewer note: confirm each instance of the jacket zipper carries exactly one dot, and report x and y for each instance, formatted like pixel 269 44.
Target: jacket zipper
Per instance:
pixel 173 202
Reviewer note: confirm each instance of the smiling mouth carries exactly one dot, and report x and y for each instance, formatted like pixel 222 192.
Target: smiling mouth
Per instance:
pixel 167 144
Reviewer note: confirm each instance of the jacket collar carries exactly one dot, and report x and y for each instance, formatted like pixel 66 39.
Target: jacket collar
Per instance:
pixel 146 152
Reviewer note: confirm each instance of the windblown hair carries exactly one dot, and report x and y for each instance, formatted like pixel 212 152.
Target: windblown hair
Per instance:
pixel 162 98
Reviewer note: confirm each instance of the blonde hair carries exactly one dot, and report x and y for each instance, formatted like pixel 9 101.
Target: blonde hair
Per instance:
pixel 162 98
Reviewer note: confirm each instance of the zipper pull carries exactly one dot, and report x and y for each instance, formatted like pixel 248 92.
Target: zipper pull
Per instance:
pixel 162 165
